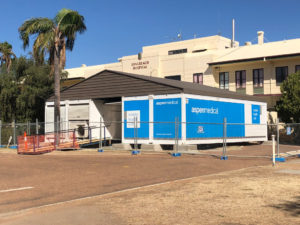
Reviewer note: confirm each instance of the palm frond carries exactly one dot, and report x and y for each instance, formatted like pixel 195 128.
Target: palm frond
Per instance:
pixel 70 22
pixel 42 44
pixel 34 26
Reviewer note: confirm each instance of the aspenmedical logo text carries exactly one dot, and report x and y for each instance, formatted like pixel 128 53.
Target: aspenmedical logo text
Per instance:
pixel 167 103
pixel 205 110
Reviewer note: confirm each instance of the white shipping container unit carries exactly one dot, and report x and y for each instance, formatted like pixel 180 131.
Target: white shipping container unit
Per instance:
pixel 87 114
pixel 200 119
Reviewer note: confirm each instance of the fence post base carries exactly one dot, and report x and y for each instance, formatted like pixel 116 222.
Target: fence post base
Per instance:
pixel 100 150
pixel 176 154
pixel 280 159
pixel 224 157
pixel 135 152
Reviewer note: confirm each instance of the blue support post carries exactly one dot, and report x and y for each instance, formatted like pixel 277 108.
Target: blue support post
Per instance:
pixel 280 159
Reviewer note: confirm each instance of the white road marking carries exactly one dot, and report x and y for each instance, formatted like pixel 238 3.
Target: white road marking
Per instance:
pixel 16 189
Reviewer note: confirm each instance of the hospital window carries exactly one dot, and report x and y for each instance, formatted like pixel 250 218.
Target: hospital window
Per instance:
pixel 240 79
pixel 281 74
pixel 258 77
pixel 297 68
pixel 258 81
pixel 224 80
pixel 198 78
pixel 177 51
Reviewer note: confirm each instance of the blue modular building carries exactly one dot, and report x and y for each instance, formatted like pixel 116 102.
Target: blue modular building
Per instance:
pixel 199 119
pixel 158 110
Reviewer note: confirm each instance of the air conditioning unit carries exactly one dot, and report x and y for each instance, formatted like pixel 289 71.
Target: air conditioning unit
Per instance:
pixel 81 128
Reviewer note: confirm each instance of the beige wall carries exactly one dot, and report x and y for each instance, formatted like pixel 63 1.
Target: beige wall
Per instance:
pixel 270 86
pixel 156 62
pixel 211 43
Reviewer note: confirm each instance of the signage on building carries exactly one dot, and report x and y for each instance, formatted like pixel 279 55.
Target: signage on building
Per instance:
pixel 136 110
pixel 204 119
pixel 140 65
pixel 255 114
pixel 132 118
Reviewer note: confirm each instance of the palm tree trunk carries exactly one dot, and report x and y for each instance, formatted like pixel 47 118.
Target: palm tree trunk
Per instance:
pixel 63 56
pixel 57 92
pixel 8 65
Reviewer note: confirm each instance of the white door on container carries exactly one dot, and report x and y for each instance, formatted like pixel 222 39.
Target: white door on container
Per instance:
pixel 49 120
pixel 79 112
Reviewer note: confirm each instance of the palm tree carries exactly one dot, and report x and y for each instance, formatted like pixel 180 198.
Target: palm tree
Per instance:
pixel 6 54
pixel 54 36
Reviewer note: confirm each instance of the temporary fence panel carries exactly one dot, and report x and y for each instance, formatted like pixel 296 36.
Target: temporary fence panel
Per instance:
pixel 289 133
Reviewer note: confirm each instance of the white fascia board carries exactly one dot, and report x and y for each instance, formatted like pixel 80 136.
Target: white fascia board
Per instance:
pixel 122 118
pixel 71 102
pixel 202 97
pixel 135 98
pixel 167 96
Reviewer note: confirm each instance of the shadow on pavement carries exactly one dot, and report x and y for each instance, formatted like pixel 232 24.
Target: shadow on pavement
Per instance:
pixel 292 207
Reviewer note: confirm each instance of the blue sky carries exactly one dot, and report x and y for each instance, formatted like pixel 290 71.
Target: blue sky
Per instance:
pixel 118 28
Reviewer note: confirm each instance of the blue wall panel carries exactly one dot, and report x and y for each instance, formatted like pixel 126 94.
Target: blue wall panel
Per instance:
pixel 166 110
pixel 199 112
pixel 142 107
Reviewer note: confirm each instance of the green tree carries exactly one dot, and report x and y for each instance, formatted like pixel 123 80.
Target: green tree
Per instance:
pixel 6 54
pixel 54 36
pixel 35 88
pixel 24 90
pixel 288 107
pixel 9 92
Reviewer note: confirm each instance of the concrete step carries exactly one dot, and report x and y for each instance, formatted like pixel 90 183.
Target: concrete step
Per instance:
pixel 151 147
pixel 121 146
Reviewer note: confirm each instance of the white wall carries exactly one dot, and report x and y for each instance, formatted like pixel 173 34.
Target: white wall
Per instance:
pixel 252 130
pixel 92 120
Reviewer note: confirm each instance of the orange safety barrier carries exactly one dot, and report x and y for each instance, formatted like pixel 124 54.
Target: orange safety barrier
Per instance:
pixel 37 144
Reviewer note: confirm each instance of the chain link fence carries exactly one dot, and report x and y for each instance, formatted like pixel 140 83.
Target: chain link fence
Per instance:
pixel 227 138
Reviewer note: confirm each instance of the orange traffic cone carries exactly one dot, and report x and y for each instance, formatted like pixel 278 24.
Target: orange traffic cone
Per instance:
pixel 25 141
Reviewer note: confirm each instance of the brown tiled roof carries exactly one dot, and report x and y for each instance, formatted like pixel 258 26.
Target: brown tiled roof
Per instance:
pixel 112 84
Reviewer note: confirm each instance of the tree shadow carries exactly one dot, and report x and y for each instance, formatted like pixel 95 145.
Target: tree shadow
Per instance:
pixel 292 207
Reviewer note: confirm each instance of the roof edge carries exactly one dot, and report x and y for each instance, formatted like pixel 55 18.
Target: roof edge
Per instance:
pixel 120 73
pixel 254 59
